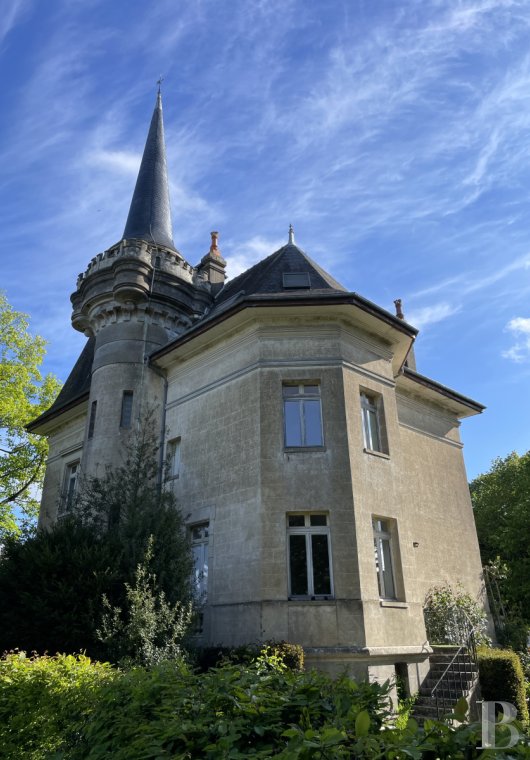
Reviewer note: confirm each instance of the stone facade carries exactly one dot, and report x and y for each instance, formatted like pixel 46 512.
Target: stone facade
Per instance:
pixel 227 366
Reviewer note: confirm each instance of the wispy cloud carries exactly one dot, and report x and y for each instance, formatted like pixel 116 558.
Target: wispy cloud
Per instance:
pixel 243 255
pixel 428 315
pixel 13 11
pixel 520 351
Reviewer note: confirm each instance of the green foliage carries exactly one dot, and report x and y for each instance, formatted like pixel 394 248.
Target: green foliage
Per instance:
pixel 56 708
pixel 501 503
pixel 502 678
pixel 45 702
pixel 24 394
pixel 292 655
pixel 149 629
pixel 450 613
pixel 52 583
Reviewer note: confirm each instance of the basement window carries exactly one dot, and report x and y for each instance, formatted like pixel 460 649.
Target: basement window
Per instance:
pixel 296 280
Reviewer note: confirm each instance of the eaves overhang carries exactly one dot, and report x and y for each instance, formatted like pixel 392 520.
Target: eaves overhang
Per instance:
pixel 397 333
pixel 419 385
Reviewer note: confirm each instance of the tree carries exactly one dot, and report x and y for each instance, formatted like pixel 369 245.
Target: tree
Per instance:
pixel 53 582
pixel 501 503
pixel 24 394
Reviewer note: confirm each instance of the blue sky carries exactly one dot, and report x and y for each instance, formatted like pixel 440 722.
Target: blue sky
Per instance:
pixel 394 136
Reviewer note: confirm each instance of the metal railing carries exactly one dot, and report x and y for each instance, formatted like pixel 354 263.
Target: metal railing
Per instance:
pixel 461 672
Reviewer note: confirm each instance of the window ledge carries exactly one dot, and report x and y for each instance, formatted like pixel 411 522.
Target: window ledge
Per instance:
pixel 393 603
pixel 294 449
pixel 312 600
pixel 374 453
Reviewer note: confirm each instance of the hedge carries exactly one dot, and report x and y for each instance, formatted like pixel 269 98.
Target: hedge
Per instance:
pixel 502 679
pixel 68 708
pixel 292 655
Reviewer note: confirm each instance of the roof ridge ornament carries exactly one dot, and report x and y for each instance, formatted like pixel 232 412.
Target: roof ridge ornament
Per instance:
pixel 291 234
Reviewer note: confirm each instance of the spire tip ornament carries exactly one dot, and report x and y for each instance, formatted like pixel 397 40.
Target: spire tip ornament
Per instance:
pixel 291 234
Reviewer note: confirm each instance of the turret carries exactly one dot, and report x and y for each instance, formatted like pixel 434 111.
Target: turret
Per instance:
pixel 134 298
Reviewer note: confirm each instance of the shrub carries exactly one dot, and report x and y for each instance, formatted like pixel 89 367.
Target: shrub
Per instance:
pixel 502 679
pixel 45 702
pixel 292 655
pixel 451 613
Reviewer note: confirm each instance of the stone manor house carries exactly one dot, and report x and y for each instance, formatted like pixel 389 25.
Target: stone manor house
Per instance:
pixel 320 474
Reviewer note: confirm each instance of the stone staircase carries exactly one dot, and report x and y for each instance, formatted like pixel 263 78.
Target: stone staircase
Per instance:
pixel 453 673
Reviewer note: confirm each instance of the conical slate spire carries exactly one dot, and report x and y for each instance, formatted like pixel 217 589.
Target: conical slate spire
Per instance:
pixel 150 214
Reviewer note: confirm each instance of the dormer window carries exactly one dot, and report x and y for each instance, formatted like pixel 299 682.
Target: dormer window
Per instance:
pixel 296 280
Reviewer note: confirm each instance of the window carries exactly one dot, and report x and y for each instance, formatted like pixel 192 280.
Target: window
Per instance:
pixel 126 409
pixel 302 415
pixel 70 484
pixel 296 280
pixel 92 420
pixel 309 556
pixel 373 422
pixel 384 561
pixel 173 458
pixel 199 549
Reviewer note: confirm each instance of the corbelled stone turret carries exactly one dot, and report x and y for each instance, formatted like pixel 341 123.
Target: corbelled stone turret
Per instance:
pixel 134 298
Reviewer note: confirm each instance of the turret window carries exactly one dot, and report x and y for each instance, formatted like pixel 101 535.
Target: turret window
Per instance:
pixel 126 409
pixel 92 420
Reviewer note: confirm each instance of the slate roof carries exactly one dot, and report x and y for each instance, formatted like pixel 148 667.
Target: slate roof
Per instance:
pixel 266 278
pixel 76 387
pixel 150 213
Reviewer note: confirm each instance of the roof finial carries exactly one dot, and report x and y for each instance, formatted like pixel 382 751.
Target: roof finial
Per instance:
pixel 291 234
pixel 399 310
pixel 159 82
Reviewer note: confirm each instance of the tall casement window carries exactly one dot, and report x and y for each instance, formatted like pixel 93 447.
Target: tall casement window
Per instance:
pixel 309 551
pixel 126 409
pixel 92 420
pixel 199 549
pixel 373 422
pixel 302 415
pixel 384 557
pixel 173 458
pixel 70 484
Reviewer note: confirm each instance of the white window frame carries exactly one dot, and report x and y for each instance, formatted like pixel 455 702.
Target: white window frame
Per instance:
pixel 68 495
pixel 173 458
pixel 372 407
pixel 309 530
pixel 196 539
pixel 299 399
pixel 387 536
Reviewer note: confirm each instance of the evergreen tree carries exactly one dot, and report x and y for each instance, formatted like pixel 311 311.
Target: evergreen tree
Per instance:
pixel 54 581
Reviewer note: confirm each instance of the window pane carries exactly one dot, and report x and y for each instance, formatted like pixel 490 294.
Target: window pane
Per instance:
pixel 298 565
pixel 313 425
pixel 377 551
pixel 126 409
pixel 386 566
pixel 374 430
pixel 293 433
pixel 296 521
pixel 290 390
pixel 321 577
pixel 92 421
pixel 311 390
pixel 319 520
